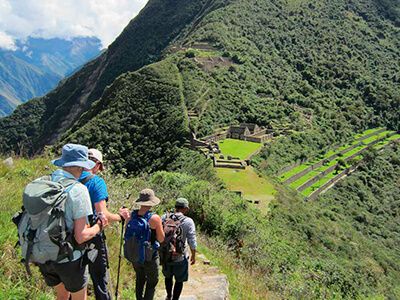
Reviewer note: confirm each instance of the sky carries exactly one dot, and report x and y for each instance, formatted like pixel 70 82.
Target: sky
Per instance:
pixel 65 19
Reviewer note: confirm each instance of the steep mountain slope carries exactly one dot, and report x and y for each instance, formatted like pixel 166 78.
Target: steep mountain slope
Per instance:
pixel 38 65
pixel 336 60
pixel 326 58
pixel 140 43
pixel 140 120
pixel 273 63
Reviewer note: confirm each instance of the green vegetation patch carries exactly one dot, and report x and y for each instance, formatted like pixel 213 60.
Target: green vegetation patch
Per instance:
pixel 387 141
pixel 249 182
pixel 307 192
pixel 304 179
pixel 363 145
pixel 366 132
pixel 238 148
pixel 377 136
pixel 292 172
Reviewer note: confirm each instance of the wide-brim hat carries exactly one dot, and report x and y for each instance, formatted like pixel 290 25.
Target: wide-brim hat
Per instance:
pixel 74 155
pixel 147 198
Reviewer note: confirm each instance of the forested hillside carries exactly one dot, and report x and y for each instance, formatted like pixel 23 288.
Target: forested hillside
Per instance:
pixel 287 61
pixel 321 71
pixel 141 43
pixel 139 121
pixel 343 246
pixel 335 60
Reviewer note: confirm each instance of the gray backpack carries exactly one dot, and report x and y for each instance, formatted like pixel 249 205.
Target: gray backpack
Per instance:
pixel 42 230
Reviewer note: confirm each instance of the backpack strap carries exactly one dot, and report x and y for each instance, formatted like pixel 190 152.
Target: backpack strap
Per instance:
pixel 175 217
pixel 147 228
pixel 147 231
pixel 31 235
pixel 87 178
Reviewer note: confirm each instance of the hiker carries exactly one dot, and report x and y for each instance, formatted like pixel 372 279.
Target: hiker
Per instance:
pixel 71 277
pixel 176 265
pixel 99 197
pixel 144 232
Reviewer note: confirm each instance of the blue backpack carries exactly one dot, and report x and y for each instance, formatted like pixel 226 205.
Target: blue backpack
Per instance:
pixel 137 246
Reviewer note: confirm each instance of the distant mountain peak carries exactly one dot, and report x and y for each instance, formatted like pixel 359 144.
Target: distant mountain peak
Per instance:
pixel 37 65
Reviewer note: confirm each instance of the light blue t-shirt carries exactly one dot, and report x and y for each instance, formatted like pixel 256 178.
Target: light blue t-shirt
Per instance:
pixel 77 205
pixel 96 187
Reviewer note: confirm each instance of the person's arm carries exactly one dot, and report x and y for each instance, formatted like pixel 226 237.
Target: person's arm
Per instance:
pixel 102 206
pixel 84 233
pixel 155 223
pixel 193 257
pixel 192 240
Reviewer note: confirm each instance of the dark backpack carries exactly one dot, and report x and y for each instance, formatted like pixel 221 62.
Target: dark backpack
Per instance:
pixel 42 230
pixel 173 245
pixel 137 246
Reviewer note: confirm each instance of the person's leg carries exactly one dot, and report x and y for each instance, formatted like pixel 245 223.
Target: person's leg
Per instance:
pixel 167 271
pixel 62 293
pixel 152 272
pixel 98 271
pixel 80 295
pixel 181 273
pixel 74 277
pixel 168 287
pixel 177 290
pixel 140 280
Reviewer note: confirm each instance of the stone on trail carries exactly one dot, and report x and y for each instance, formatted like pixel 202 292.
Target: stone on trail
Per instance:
pixel 206 282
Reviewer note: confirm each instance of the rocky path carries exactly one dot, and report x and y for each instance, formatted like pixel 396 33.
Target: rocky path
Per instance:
pixel 206 282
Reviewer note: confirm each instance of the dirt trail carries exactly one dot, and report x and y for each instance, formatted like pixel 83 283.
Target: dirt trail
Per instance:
pixel 206 282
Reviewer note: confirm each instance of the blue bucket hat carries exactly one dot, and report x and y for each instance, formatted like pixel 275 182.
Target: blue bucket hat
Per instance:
pixel 74 155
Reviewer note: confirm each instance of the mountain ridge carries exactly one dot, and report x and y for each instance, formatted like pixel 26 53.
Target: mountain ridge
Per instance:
pixel 336 59
pixel 38 65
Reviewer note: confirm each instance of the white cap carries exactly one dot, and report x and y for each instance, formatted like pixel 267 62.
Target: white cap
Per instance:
pixel 96 154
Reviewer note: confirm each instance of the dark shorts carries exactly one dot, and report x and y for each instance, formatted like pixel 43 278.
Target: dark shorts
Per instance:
pixel 71 274
pixel 178 269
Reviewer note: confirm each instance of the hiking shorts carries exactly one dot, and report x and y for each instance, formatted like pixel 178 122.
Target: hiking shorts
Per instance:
pixel 71 274
pixel 178 269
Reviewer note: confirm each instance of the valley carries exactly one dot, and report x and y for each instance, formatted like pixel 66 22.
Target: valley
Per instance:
pixel 278 120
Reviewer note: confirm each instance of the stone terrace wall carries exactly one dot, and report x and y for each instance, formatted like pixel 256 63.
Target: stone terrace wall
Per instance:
pixel 318 164
pixel 294 165
pixel 290 167
pixel 209 63
pixel 371 134
pixel 220 163
pixel 259 137
pixel 313 180
pixel 216 137
pixel 315 194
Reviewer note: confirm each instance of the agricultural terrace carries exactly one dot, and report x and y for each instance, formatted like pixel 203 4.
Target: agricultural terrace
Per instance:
pixel 253 186
pixel 368 140
pixel 237 148
pixel 307 192
pixel 344 153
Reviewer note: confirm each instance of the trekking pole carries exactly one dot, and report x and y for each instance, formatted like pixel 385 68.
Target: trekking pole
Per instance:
pixel 120 249
pixel 106 252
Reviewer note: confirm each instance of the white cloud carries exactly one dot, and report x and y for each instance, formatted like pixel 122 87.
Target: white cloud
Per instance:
pixel 104 19
pixel 6 41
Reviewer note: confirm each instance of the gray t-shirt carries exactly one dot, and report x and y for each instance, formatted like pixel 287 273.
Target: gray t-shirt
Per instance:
pixel 78 204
